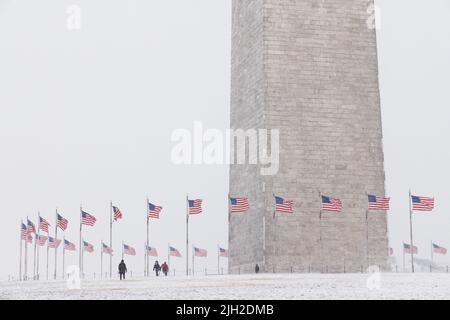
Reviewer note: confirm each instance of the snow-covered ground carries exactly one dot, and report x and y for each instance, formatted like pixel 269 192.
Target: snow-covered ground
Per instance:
pixel 261 286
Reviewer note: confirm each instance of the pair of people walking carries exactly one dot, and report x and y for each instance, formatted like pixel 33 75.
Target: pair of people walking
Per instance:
pixel 157 268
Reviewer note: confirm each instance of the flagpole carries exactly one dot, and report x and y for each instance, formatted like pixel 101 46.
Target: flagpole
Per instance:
pixel 403 257
pixel 81 248
pixel 145 259
pixel 110 237
pixel 411 233
pixel 367 230
pixel 26 255
pixel 187 235
pixel 168 254
pixel 64 257
pixel 56 247
pixel 122 249
pixel 193 261
pixel 320 231
pixel 432 251
pixel 48 249
pixel 148 239
pixel 101 261
pixel 20 258
pixel 82 259
pixel 37 249
pixel 34 254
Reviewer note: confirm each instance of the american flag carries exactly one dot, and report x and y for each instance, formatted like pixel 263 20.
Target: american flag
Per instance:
pixel 378 203
pixel 87 219
pixel 41 240
pixel 422 203
pixel 24 234
pixel 53 243
pixel 331 204
pixel 223 252
pixel 154 211
pixel 31 227
pixel 117 213
pixel 195 206
pixel 239 205
pixel 282 205
pixel 152 252
pixel 200 252
pixel 438 249
pixel 69 245
pixel 407 249
pixel 128 250
pixel 62 223
pixel 88 247
pixel 174 252
pixel 43 224
pixel 106 249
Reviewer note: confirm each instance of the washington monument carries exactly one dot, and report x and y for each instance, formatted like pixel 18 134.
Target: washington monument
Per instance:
pixel 308 68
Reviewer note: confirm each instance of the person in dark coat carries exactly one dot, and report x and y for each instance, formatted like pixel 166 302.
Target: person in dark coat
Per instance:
pixel 122 269
pixel 157 268
pixel 165 268
pixel 256 268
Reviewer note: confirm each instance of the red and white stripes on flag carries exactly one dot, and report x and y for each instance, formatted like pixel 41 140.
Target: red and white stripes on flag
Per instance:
pixel 69 245
pixel 331 204
pixel 87 219
pixel 62 222
pixel 407 249
pixel 154 211
pixel 152 252
pixel 422 203
pixel 283 205
pixel 43 224
pixel 24 234
pixel 117 213
pixel 88 247
pixel 31 227
pixel 195 206
pixel 200 252
pixel 106 249
pixel 53 243
pixel 378 203
pixel 41 240
pixel 129 250
pixel 174 252
pixel 223 252
pixel 439 250
pixel 239 205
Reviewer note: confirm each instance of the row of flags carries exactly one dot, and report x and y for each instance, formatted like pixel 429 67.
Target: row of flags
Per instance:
pixel 407 248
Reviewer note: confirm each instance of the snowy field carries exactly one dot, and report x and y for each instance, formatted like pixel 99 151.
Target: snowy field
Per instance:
pixel 262 286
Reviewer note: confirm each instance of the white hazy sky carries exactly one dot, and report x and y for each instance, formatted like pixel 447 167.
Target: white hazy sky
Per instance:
pixel 87 115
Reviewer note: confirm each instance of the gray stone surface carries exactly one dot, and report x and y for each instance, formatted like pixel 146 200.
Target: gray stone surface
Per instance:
pixel 308 68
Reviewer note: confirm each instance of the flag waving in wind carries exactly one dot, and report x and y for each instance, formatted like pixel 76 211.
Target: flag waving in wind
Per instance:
pixel 200 252
pixel 31 227
pixel 41 240
pixel 53 243
pixel 87 219
pixel 69 246
pixel 43 224
pixel 88 247
pixel 152 252
pixel 282 205
pixel 407 249
pixel 331 204
pixel 223 252
pixel 439 250
pixel 62 223
pixel 117 213
pixel 239 205
pixel 154 211
pixel 378 203
pixel 174 252
pixel 106 249
pixel 195 206
pixel 129 250
pixel 422 203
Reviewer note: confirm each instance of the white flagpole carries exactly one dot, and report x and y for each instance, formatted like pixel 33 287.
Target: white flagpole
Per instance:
pixel 101 261
pixel 148 239
pixel 64 257
pixel 56 237
pixel 26 254
pixel 37 249
pixel 432 258
pixel 411 233
pixel 193 260
pixel 81 247
pixel 218 259
pixel 168 254
pixel 20 258
pixel 34 253
pixel 48 249
pixel 187 235
pixel 110 237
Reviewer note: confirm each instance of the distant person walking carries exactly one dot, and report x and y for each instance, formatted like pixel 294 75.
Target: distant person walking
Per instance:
pixel 157 268
pixel 165 268
pixel 256 268
pixel 122 270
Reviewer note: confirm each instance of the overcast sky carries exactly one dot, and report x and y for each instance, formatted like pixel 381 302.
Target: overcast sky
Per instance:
pixel 87 116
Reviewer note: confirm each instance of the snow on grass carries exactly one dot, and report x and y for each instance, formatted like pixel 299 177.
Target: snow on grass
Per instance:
pixel 242 287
